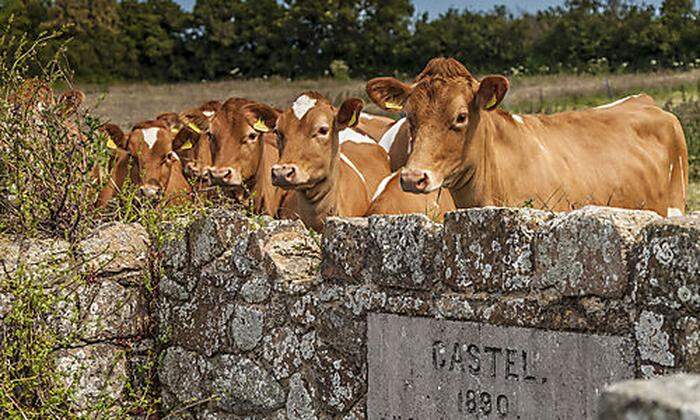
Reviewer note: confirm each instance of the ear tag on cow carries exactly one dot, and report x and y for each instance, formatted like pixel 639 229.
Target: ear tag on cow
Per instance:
pixel 492 102
pixel 186 146
pixel 174 130
pixel 194 128
pixel 111 144
pixel 260 126
pixel 353 120
pixel 392 105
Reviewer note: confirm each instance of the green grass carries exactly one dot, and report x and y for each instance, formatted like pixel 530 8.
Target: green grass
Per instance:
pixel 694 196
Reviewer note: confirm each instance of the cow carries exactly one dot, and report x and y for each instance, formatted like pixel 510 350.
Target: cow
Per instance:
pixel 153 149
pixel 374 125
pixel 389 198
pixel 328 179
pixel 628 154
pixel 243 158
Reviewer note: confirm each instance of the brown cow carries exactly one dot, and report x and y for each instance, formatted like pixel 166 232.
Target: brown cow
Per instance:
pixel 243 157
pixel 391 199
pixel 328 181
pixel 153 148
pixel 374 125
pixel 628 154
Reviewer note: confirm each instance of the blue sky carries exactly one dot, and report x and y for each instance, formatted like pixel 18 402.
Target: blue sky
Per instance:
pixel 435 7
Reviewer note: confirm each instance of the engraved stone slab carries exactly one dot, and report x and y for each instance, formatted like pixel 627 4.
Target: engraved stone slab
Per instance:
pixel 423 368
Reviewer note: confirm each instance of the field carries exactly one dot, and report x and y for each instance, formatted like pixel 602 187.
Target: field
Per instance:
pixel 126 104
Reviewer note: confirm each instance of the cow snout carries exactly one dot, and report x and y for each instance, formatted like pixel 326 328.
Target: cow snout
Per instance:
pixel 415 181
pixel 283 175
pixel 150 191
pixel 225 176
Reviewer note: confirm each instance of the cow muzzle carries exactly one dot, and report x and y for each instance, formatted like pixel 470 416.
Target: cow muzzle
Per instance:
pixel 418 181
pixel 225 176
pixel 150 192
pixel 285 176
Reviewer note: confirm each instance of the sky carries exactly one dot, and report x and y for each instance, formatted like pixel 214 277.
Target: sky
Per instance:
pixel 435 7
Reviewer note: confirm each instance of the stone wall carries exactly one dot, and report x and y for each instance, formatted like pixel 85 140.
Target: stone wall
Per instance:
pixel 261 318
pixel 102 322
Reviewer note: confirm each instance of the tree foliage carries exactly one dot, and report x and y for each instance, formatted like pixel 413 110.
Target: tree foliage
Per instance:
pixel 157 40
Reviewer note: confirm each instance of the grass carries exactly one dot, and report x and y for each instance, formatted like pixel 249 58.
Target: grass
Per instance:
pixel 127 104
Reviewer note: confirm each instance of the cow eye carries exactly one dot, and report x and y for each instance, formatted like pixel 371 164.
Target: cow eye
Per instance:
pixel 252 136
pixel 461 118
pixel 323 130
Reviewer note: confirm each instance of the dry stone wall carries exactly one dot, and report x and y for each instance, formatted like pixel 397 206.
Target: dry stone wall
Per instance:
pixel 102 322
pixel 259 318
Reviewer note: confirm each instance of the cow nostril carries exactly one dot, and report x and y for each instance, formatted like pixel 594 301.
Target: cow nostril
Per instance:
pixel 289 173
pixel 422 182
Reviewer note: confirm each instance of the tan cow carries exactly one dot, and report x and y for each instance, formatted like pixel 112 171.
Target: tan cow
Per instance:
pixel 391 199
pixel 374 125
pixel 243 157
pixel 628 154
pixel 327 180
pixel 153 149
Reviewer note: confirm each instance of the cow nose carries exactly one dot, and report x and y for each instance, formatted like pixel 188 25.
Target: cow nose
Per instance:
pixel 283 174
pixel 225 176
pixel 149 191
pixel 414 181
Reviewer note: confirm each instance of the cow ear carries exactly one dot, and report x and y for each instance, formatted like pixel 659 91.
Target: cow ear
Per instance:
pixel 388 93
pixel 349 113
pixel 115 136
pixel 492 90
pixel 261 117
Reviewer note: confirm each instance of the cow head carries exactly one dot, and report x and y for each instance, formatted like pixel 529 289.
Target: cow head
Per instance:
pixel 153 148
pixel 237 146
pixel 444 107
pixel 307 137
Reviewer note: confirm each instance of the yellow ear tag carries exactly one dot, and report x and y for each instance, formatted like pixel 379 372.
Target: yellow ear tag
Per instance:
pixel 353 120
pixel 174 130
pixel 186 146
pixel 260 126
pixel 194 128
pixel 111 144
pixel 492 102
pixel 392 105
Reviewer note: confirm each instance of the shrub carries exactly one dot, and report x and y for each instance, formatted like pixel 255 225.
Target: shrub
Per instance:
pixel 689 114
pixel 47 150
pixel 340 70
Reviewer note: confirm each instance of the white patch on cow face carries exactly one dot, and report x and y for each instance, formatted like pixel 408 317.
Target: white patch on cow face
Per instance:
pixel 670 172
pixel 382 185
pixel 302 105
pixel 618 102
pixel 673 212
pixel 354 136
pixel 208 114
pixel 150 136
pixel 390 135
pixel 353 167
pixel 518 119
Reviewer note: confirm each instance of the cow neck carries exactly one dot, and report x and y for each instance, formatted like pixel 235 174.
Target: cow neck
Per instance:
pixel 322 198
pixel 480 182
pixel 263 191
pixel 176 180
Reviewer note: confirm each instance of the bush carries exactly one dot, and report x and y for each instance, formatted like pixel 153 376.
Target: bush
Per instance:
pixel 47 149
pixel 340 70
pixel 689 114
